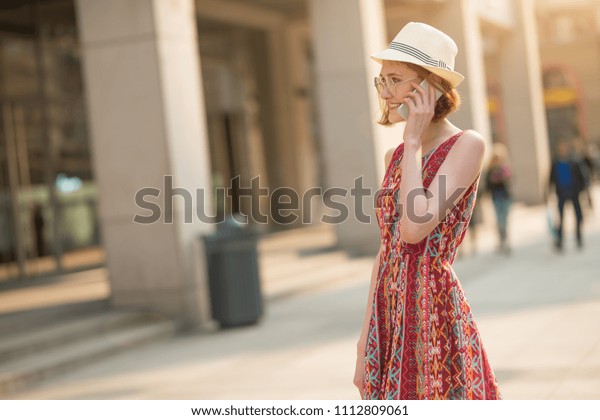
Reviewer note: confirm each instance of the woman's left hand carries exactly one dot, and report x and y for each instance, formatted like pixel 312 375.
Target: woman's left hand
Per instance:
pixel 421 105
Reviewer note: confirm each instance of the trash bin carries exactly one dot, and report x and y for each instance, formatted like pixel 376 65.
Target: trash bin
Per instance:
pixel 234 282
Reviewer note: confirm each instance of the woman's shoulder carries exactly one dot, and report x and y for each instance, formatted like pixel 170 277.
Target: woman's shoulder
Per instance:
pixel 467 152
pixel 471 139
pixel 388 156
pixel 469 146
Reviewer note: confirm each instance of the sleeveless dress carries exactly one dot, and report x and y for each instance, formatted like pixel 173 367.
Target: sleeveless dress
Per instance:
pixel 423 342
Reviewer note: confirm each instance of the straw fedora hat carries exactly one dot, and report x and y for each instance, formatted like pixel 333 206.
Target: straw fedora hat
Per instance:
pixel 425 46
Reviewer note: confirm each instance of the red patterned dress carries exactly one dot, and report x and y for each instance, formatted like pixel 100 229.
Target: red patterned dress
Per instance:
pixel 423 342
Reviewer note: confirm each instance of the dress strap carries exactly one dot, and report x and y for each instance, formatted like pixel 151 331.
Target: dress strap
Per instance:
pixel 450 140
pixel 440 150
pixel 436 157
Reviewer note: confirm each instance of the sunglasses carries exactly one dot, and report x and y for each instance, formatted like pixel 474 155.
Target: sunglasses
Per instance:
pixel 388 83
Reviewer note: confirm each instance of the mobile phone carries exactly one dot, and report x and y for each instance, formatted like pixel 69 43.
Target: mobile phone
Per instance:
pixel 403 109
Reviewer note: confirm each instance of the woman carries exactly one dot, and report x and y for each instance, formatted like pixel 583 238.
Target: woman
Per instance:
pixel 497 180
pixel 419 339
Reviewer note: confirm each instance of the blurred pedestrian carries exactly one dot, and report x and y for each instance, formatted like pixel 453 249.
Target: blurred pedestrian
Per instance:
pixel 582 155
pixel 418 332
pixel 568 179
pixel 593 151
pixel 38 225
pixel 498 178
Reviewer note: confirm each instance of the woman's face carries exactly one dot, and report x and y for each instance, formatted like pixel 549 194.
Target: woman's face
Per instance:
pixel 397 73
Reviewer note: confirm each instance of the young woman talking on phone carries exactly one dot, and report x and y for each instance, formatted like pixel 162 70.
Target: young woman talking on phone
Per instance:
pixel 419 339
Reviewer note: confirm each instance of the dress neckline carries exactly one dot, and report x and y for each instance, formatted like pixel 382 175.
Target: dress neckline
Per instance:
pixel 442 143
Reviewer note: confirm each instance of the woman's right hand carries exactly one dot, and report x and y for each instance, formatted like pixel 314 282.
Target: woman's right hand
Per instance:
pixel 359 371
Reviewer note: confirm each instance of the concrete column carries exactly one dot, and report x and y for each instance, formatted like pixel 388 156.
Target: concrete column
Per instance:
pixel 353 145
pixel 459 19
pixel 147 121
pixel 526 131
pixel 307 163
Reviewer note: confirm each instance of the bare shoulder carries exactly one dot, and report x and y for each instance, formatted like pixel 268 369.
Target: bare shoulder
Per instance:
pixel 466 156
pixel 388 156
pixel 472 143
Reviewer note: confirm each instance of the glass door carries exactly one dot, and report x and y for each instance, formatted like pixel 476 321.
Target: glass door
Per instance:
pixel 48 221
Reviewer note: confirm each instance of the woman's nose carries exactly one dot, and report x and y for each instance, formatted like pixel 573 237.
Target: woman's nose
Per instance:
pixel 385 94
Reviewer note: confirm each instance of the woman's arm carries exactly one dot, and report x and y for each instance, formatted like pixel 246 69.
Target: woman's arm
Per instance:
pixel 421 210
pixel 361 346
pixel 362 341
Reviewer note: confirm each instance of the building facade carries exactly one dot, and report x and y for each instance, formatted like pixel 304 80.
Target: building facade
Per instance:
pixel 569 34
pixel 136 115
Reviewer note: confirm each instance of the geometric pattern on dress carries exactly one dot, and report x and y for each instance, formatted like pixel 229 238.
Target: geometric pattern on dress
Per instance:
pixel 423 341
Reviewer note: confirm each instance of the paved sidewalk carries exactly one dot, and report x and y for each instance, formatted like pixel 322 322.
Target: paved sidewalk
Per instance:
pixel 537 311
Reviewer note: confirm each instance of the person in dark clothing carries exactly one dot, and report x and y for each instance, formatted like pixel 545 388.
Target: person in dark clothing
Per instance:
pixel 582 155
pixel 568 178
pixel 38 225
pixel 497 184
